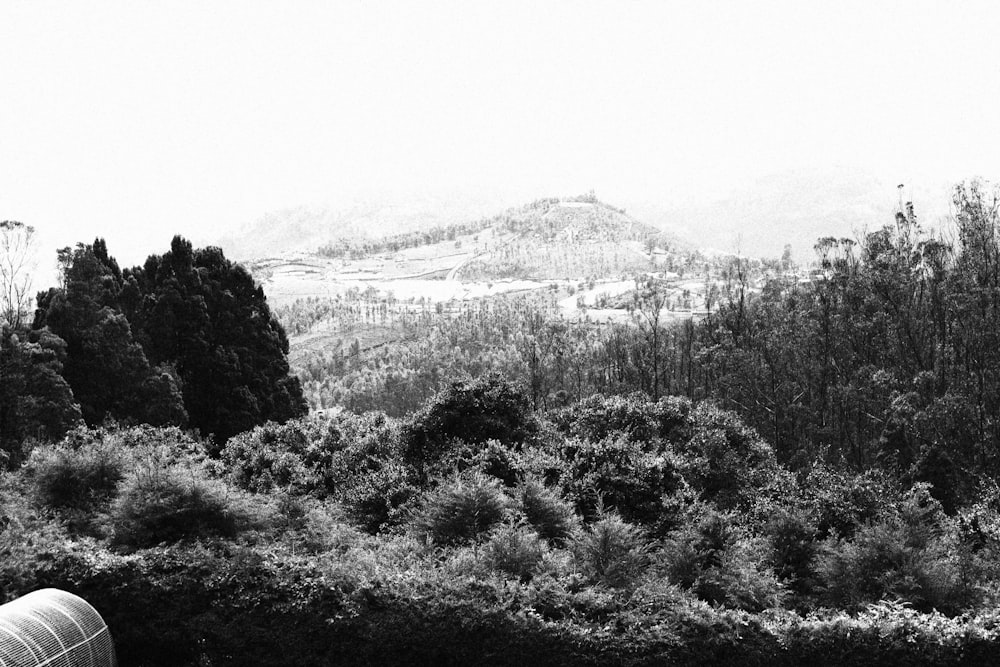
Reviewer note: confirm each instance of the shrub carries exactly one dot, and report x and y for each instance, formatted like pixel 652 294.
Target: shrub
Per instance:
pixel 721 563
pixel 611 551
pixel 914 556
pixel 635 417
pixel 170 507
pixel 514 550
pixel 381 497
pixel 551 516
pixel 621 474
pixel 462 509
pixel 843 502
pixel 289 456
pixel 79 478
pixel 792 535
pixel 726 460
pixel 488 408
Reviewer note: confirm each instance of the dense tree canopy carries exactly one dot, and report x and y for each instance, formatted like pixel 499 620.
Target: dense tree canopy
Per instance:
pixel 35 400
pixel 203 314
pixel 106 367
pixel 187 338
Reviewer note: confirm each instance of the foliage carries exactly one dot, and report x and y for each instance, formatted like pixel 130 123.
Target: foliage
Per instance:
pixel 35 399
pixel 107 368
pixel 381 497
pixel 611 551
pixel 169 510
pixel 462 509
pixel 630 477
pixel 204 314
pixel 514 550
pixel 488 408
pixel 717 560
pixel 67 477
pixel 188 336
pixel 913 556
pixel 550 516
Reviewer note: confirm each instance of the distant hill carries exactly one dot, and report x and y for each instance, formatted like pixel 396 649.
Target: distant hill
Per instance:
pixel 797 208
pixel 305 229
pixel 570 237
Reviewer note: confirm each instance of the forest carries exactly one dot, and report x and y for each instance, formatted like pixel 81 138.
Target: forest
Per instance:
pixel 806 472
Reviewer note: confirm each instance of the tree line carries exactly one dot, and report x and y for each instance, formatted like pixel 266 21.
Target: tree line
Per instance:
pixel 186 339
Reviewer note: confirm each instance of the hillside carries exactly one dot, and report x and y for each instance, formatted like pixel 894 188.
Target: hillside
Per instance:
pixel 525 247
pixel 579 237
pixel 305 229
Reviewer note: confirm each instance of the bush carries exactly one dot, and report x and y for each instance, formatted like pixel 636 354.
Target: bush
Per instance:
pixel 793 540
pixel 551 516
pixel 79 478
pixel 488 408
pixel 727 461
pixel 843 501
pixel 623 475
pixel 514 550
pixel 914 556
pixel 170 507
pixel 611 551
pixel 290 456
pixel 462 509
pixel 718 561
pixel 635 417
pixel 381 497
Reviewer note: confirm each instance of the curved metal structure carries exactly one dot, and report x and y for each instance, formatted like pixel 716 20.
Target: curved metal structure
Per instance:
pixel 53 628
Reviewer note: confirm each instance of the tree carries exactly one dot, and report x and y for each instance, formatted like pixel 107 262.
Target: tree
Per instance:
pixel 35 400
pixel 203 315
pixel 17 261
pixel 649 302
pixel 106 367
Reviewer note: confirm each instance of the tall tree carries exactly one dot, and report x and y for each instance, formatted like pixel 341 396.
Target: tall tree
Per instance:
pixel 203 314
pixel 35 400
pixel 17 262
pixel 106 367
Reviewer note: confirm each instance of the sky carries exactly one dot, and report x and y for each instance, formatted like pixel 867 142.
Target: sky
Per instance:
pixel 136 120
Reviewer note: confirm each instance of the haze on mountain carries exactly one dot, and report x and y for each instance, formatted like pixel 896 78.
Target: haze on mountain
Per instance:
pixel 138 121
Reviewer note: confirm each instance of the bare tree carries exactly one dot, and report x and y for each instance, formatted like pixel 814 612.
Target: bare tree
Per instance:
pixel 17 263
pixel 647 308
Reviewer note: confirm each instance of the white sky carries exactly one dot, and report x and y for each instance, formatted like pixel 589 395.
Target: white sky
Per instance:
pixel 136 120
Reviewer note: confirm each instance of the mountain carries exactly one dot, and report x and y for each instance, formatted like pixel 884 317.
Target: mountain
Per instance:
pixel 305 229
pixel 569 238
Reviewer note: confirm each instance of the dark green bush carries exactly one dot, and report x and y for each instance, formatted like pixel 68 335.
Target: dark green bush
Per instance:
pixel 721 563
pixel 794 543
pixel 461 509
pixel 78 478
pixel 488 408
pixel 623 475
pixel 381 496
pixel 551 516
pixel 611 551
pixel 913 555
pixel 635 417
pixel 171 506
pixel 295 455
pixel 514 550
pixel 726 461
pixel 843 501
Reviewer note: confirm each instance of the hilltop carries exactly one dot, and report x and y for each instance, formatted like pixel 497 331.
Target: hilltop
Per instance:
pixel 526 247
